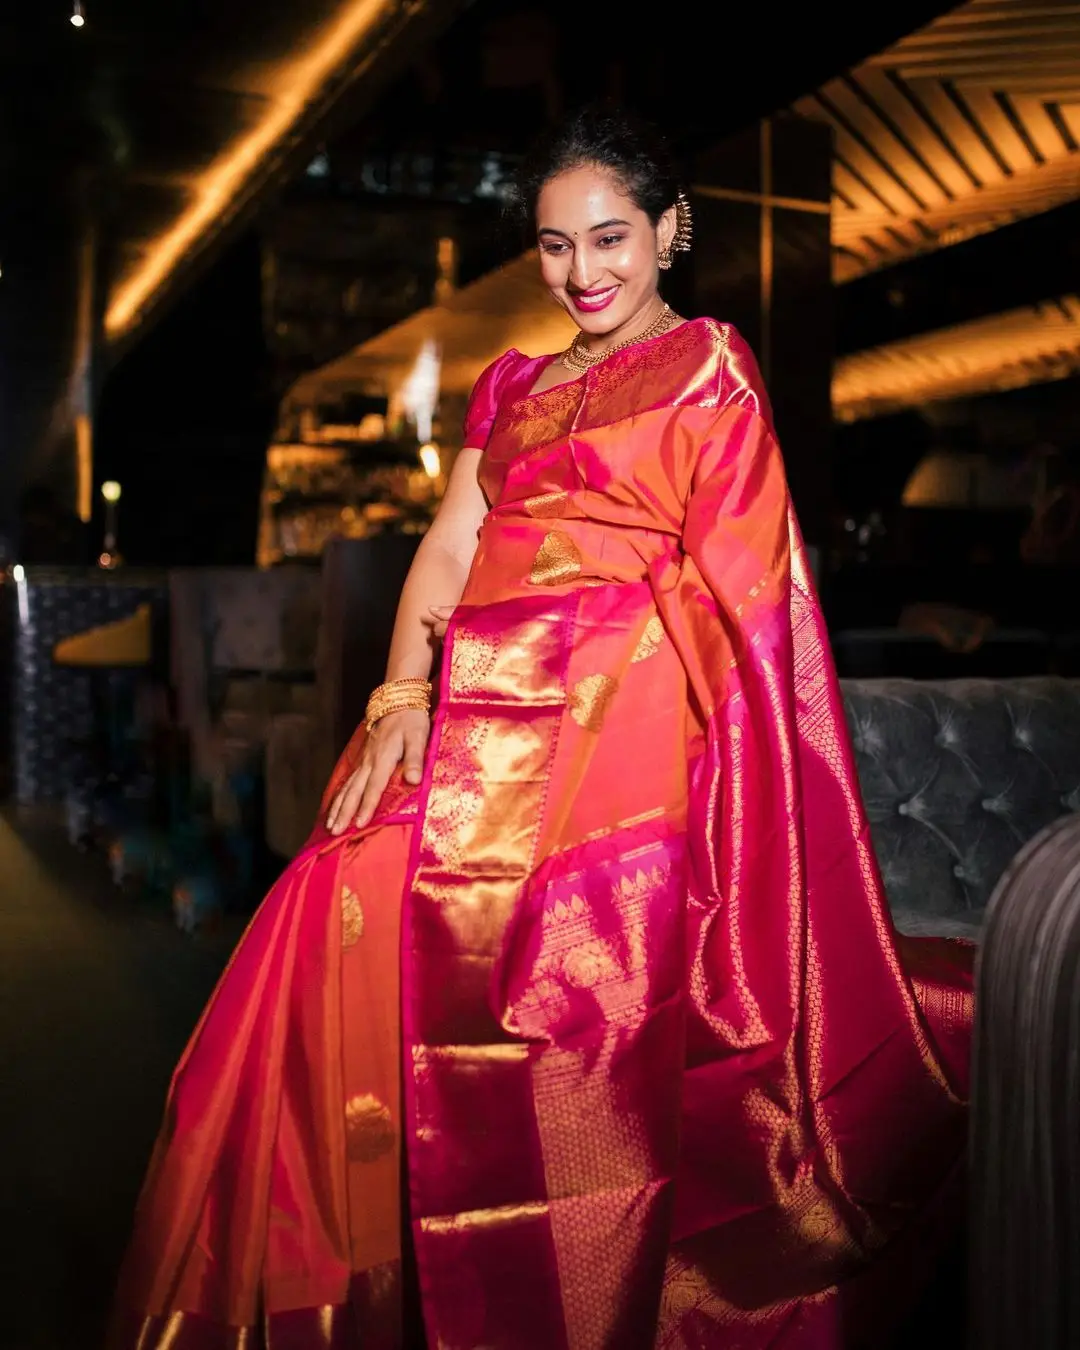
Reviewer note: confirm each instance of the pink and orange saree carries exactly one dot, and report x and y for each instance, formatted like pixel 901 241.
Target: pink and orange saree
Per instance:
pixel 616 986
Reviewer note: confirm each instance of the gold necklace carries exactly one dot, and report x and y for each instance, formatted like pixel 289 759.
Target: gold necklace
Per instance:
pixel 578 358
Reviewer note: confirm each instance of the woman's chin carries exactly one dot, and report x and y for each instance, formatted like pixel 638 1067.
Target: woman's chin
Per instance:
pixel 600 324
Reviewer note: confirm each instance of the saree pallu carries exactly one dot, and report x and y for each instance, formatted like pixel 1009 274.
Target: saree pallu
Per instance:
pixel 661 1069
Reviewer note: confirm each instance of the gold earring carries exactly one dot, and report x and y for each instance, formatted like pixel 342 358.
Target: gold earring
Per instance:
pixel 684 225
pixel 664 259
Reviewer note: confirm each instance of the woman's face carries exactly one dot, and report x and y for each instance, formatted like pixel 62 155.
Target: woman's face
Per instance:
pixel 598 250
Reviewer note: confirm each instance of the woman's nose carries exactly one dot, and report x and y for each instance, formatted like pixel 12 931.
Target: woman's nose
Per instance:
pixel 583 272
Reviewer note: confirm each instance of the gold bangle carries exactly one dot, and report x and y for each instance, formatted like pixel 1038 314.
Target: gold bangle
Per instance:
pixel 405 682
pixel 380 706
pixel 372 722
pixel 376 715
pixel 410 683
pixel 412 692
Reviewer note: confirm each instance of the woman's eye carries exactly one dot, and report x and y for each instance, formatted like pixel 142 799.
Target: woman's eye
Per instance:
pixel 553 248
pixel 610 240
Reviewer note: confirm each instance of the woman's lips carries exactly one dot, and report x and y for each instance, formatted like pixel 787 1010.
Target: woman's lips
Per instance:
pixel 592 302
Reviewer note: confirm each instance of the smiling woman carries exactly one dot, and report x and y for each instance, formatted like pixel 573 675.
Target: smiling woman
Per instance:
pixel 595 261
pixel 604 236
pixel 599 952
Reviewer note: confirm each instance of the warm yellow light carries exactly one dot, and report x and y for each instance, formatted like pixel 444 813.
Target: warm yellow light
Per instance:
pixel 429 458
pixel 217 189
pixel 111 491
pixel 84 467
pixel 1003 351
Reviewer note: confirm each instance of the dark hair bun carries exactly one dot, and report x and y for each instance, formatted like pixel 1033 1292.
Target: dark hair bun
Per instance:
pixel 607 135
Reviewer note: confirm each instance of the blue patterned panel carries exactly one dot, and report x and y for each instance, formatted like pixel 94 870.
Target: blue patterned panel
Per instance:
pixel 52 704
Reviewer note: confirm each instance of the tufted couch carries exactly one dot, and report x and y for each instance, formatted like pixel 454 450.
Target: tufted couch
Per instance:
pixel 956 776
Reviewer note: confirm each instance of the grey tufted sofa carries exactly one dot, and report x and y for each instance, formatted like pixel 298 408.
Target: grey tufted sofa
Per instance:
pixel 956 776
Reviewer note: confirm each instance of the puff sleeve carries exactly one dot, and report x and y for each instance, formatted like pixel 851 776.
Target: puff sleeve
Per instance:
pixel 485 399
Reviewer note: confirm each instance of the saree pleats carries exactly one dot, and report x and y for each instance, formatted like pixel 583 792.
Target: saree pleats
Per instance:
pixel 271 1212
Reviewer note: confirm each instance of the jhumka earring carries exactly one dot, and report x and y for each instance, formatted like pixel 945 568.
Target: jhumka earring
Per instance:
pixel 684 232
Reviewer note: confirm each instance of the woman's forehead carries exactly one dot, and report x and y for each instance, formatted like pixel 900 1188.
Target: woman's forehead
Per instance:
pixel 584 197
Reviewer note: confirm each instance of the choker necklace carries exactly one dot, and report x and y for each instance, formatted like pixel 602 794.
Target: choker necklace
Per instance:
pixel 578 358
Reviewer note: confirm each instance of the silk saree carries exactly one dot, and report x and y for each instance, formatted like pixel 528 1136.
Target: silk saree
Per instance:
pixel 615 988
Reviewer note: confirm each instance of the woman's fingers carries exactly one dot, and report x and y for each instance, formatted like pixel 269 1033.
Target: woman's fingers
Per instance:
pixel 412 764
pixel 351 796
pixel 333 815
pixel 401 741
pixel 442 615
pixel 376 785
pixel 335 807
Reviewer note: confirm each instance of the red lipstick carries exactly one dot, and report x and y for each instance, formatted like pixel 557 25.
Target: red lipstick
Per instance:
pixel 592 302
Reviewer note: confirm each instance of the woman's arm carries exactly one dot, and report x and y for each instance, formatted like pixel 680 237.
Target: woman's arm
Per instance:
pixel 436 580
pixel 439 570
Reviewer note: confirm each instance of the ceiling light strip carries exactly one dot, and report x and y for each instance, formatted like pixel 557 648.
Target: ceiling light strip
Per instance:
pixel 219 191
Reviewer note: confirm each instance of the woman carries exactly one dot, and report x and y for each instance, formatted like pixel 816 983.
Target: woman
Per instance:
pixel 662 1073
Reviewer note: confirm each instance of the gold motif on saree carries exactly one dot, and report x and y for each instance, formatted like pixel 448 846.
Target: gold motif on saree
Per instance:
pixel 686 1289
pixel 369 1128
pixel 477 1220
pixel 352 919
pixel 546 504
pixel 819 1223
pixel 537 419
pixel 456 800
pixel 589 699
pixel 663 358
pixel 752 593
pixel 650 640
pixel 472 660
pixel 589 964
pixel 557 561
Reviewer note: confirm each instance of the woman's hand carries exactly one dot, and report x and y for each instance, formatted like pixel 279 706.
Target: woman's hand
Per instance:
pixel 440 619
pixel 399 738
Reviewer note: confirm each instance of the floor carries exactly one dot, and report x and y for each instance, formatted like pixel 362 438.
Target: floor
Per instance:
pixel 98 994
pixel 97 997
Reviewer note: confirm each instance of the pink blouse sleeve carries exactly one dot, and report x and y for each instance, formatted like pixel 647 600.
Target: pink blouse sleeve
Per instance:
pixel 486 395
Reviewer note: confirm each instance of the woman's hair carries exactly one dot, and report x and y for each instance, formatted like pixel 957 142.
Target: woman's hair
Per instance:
pixel 606 135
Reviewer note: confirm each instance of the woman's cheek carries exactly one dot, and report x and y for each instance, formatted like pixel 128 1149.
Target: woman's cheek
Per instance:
pixel 553 272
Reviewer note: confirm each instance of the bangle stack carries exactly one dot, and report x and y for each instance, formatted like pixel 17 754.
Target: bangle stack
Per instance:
pixel 406 695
